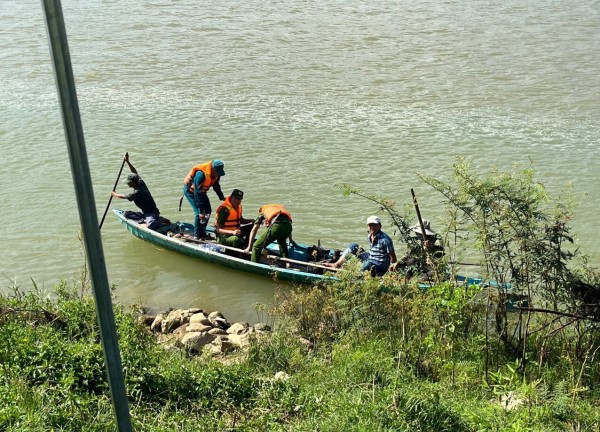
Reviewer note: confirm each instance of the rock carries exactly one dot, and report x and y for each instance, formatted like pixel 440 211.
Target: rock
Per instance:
pixel 184 315
pixel 173 320
pixel 198 327
pixel 196 331
pixel 200 318
pixel 217 319
pixel 168 325
pixel 262 327
pixel 308 344
pixel 238 328
pixel 195 341
pixel 156 325
pixel 221 345
pixel 146 319
pixel 215 314
pixel 241 340
pixel 181 330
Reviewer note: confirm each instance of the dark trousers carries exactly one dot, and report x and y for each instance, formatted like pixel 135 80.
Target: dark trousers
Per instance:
pixel 200 206
pixel 239 242
pixel 277 232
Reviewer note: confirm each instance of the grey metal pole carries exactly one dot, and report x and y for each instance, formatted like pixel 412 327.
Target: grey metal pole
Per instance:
pixel 80 170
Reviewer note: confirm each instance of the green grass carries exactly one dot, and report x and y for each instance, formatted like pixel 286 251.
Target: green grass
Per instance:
pixel 403 374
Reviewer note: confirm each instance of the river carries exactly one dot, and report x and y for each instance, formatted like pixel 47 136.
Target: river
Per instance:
pixel 295 97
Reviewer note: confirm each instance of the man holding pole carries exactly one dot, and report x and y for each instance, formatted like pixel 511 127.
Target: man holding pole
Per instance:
pixel 141 197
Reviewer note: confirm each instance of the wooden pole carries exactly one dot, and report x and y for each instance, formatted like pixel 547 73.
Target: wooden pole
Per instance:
pixel 113 189
pixel 273 257
pixel 304 263
pixel 416 204
pixel 84 192
pixel 422 225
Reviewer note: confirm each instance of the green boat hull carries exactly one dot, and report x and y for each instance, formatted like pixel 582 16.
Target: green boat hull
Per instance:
pixel 210 252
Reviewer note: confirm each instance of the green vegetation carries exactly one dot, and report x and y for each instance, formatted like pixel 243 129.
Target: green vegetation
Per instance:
pixel 361 354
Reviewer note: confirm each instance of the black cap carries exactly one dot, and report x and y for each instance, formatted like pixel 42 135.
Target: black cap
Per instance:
pixel 132 178
pixel 237 193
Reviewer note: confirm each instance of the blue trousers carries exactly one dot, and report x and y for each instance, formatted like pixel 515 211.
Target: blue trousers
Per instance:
pixel 374 268
pixel 200 206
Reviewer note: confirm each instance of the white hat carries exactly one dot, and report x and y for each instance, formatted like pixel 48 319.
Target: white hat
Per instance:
pixel 426 224
pixel 373 220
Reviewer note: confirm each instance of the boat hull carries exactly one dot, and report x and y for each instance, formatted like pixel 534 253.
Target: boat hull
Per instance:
pixel 214 253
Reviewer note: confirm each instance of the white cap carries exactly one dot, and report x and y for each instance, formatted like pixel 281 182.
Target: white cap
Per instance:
pixel 373 220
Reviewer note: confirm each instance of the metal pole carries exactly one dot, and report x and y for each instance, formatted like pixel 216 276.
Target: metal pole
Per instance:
pixel 87 209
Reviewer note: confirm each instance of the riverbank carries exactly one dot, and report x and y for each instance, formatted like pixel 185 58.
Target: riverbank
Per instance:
pixel 413 360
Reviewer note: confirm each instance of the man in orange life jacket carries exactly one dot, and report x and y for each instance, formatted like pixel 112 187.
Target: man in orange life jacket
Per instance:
pixel 195 185
pixel 231 227
pixel 279 228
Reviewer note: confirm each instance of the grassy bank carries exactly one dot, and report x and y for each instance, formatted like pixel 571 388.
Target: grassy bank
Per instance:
pixel 407 360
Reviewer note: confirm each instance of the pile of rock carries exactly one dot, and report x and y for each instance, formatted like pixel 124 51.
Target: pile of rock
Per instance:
pixel 198 332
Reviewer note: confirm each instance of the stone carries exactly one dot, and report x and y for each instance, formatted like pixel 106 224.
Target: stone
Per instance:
pixel 217 319
pixel 198 327
pixel 221 345
pixel 262 327
pixel 146 319
pixel 238 328
pixel 195 341
pixel 156 325
pixel 241 340
pixel 217 331
pixel 170 324
pixel 306 343
pixel 181 330
pixel 200 318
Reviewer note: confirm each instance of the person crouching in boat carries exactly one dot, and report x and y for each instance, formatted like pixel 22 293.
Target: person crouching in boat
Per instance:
pixel 381 256
pixel 279 228
pixel 195 186
pixel 425 256
pixel 141 197
pixel 231 227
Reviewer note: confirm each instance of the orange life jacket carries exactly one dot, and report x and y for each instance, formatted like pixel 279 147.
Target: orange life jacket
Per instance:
pixel 270 211
pixel 234 219
pixel 207 169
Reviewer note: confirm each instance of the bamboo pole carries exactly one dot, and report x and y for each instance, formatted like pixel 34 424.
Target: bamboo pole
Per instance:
pixel 84 192
pixel 272 257
pixel 304 263
pixel 113 189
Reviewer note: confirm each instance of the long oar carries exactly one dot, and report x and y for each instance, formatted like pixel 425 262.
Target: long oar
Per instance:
pixel 273 257
pixel 422 225
pixel 113 189
pixel 303 263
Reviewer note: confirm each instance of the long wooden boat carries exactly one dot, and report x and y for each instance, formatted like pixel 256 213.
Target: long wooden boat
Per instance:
pixel 304 265
pixel 301 267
